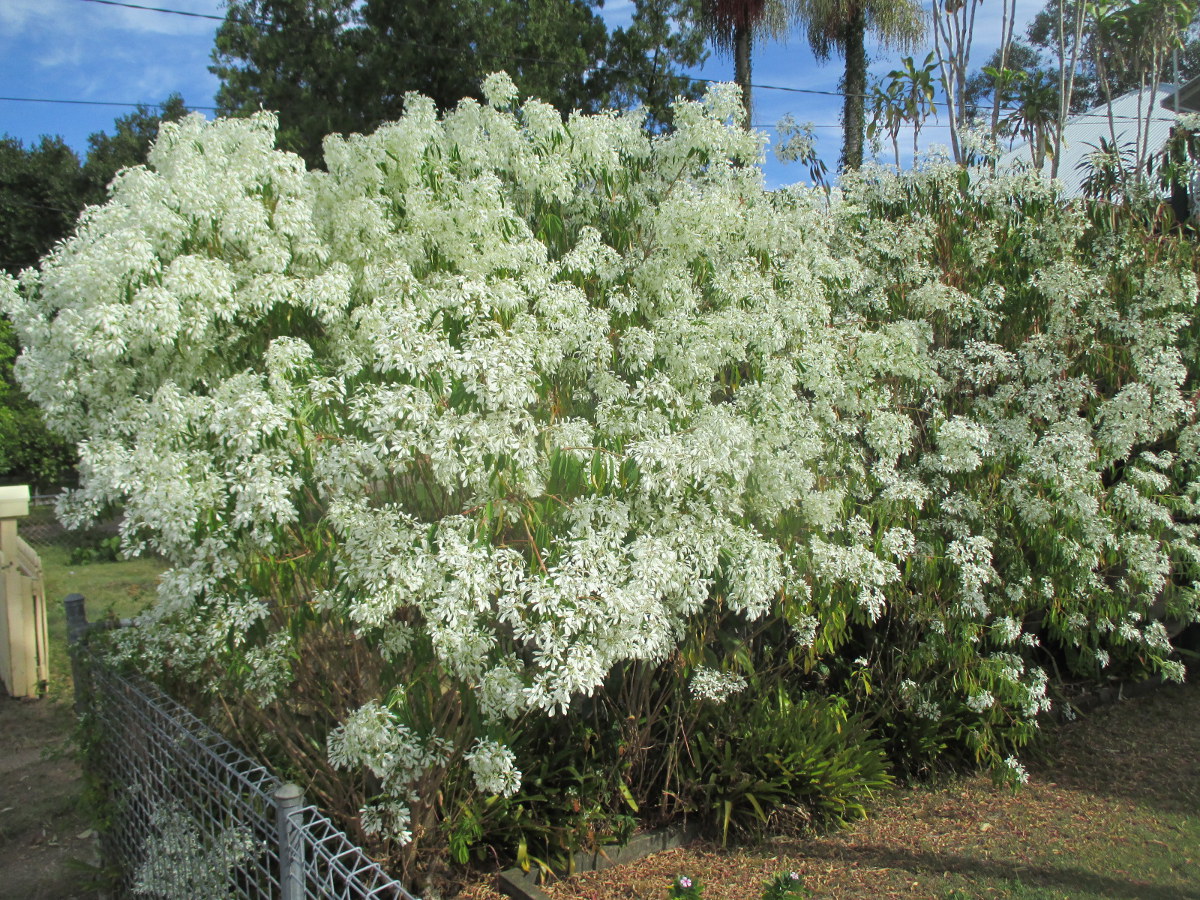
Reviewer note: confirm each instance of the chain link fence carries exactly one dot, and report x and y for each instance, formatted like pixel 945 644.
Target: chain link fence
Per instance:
pixel 41 529
pixel 190 815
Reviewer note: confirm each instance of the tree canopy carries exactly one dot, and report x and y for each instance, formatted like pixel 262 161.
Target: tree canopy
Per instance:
pixel 335 66
pixel 43 189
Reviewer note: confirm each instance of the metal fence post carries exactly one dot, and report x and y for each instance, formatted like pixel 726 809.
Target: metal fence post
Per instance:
pixel 77 627
pixel 77 623
pixel 289 798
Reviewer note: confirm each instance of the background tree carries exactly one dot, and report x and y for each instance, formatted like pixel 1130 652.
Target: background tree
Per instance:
pixel 1090 51
pixel 645 60
pixel 994 84
pixel 733 26
pixel 331 66
pixel 41 194
pixel 298 57
pixel 1036 114
pixel 127 145
pixel 915 90
pixel 953 36
pixel 842 26
pixel 887 113
pixel 43 189
pixel 1042 36
pixel 553 50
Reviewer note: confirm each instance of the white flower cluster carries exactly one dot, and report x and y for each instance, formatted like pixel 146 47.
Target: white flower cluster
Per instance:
pixel 179 860
pixel 1016 770
pixel 372 738
pixel 716 687
pixel 494 768
pixel 981 701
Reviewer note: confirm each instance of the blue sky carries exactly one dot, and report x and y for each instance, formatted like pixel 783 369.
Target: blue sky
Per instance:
pixel 78 50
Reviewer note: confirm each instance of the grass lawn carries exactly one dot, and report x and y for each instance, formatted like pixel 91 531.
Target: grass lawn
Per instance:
pixel 120 589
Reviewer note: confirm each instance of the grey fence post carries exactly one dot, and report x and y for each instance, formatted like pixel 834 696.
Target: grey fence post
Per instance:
pixel 77 623
pixel 289 798
pixel 77 627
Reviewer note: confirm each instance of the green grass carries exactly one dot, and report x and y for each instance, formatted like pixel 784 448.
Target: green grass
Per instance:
pixel 121 589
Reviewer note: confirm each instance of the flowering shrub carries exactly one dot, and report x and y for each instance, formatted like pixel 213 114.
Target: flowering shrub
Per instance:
pixel 505 419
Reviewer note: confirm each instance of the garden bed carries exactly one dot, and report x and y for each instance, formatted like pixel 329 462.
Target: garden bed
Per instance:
pixel 1110 812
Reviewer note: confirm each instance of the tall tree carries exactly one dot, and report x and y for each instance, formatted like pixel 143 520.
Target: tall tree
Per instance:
pixel 1043 36
pixel 346 65
pixel 298 57
pixel 645 59
pixel 842 26
pixel 127 145
pixel 734 26
pixel 1090 52
pixel 42 192
pixel 953 38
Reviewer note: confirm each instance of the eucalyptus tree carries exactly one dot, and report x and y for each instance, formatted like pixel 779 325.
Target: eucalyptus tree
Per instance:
pixel 1137 39
pixel 953 36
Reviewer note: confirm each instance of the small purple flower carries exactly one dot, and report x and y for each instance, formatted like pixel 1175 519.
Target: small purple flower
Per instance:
pixel 685 882
pixel 795 876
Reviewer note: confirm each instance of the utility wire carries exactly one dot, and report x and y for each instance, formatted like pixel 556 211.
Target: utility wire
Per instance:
pixel 159 9
pixel 1097 117
pixel 542 61
pixel 95 103
pixel 428 46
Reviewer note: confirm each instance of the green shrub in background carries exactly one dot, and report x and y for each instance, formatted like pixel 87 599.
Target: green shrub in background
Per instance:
pixel 29 453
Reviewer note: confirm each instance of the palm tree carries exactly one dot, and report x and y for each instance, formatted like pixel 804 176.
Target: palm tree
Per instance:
pixel 734 25
pixel 843 26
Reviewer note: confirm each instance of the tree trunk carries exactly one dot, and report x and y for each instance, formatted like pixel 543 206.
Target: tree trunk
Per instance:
pixel 854 109
pixel 741 66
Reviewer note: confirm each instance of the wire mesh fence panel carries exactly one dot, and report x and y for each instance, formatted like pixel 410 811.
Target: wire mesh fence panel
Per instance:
pixel 334 867
pixel 190 815
pixel 41 528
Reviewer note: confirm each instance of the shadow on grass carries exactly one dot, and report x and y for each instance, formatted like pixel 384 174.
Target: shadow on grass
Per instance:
pixel 1153 740
pixel 1071 881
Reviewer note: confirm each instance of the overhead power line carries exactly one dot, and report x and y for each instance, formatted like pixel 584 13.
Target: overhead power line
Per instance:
pixel 925 126
pixel 428 46
pixel 530 59
pixel 159 9
pixel 96 103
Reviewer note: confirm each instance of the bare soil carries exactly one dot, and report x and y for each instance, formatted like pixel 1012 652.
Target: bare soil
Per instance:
pixel 47 848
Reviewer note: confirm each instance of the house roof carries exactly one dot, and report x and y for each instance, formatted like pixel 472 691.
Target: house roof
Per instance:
pixel 1083 132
